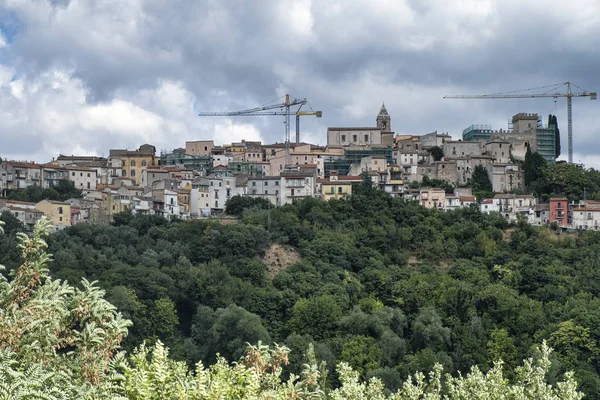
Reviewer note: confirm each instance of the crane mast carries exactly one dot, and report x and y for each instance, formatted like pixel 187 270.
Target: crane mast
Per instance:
pixel 516 95
pixel 285 110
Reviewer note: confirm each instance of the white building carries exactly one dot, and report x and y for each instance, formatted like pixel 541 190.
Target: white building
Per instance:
pixel 587 218
pixel 296 185
pixel 82 177
pixel 265 187
pixel 455 201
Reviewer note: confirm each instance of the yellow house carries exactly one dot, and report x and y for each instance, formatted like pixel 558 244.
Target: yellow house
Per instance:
pixel 57 212
pixel 133 163
pixel 337 187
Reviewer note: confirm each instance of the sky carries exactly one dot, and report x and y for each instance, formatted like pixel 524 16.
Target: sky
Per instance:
pixel 84 76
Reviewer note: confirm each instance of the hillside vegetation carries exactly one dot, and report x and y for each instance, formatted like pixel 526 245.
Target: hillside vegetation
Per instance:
pixel 469 296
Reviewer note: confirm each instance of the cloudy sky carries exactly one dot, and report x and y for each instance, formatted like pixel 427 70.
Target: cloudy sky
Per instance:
pixel 84 76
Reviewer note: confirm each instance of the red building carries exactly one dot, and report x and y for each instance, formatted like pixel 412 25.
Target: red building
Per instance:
pixel 559 211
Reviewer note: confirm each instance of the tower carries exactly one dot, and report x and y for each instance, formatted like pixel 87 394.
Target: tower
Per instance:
pixel 384 122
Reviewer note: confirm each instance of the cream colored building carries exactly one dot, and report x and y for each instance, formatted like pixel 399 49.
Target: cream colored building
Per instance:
pixel 132 163
pixel 380 135
pixel 57 212
pixel 199 147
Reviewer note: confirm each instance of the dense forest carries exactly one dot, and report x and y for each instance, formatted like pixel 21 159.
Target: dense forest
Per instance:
pixel 382 284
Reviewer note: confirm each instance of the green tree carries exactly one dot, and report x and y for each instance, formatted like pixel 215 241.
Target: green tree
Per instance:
pixel 534 170
pixel 12 224
pixel 227 332
pixel 362 353
pixel 573 344
pixel 480 182
pixel 317 316
pixel 502 347
pixel 163 318
pixel 553 121
pixel 237 204
pixel 436 152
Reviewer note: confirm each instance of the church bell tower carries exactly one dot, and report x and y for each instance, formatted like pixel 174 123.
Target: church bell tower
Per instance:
pixel 384 122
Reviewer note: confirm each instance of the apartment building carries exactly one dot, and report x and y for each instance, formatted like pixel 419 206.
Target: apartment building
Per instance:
pixel 58 212
pixel 132 163
pixel 20 175
pixel 25 212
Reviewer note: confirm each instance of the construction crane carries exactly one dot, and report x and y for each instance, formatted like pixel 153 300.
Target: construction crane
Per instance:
pixel 552 91
pixel 284 109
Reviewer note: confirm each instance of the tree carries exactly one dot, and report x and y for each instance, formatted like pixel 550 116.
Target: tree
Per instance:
pixel 317 316
pixel 436 152
pixel 480 182
pixel 553 121
pixel 11 223
pixel 362 353
pixel 534 170
pixel 237 204
pixel 43 321
pixel 227 332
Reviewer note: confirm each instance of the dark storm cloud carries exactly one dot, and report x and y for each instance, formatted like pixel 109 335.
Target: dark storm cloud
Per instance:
pixel 345 57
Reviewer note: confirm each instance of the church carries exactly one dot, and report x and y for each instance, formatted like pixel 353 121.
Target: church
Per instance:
pixel 380 135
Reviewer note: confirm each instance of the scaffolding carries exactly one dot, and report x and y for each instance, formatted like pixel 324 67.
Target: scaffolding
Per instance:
pixel 178 158
pixel 354 156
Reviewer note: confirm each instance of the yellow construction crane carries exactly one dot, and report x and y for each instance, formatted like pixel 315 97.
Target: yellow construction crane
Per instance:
pixel 284 110
pixel 552 91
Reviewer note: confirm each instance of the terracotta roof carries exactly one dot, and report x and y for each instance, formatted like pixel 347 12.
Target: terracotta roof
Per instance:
pixel 61 203
pixel 487 201
pixel 356 128
pixel 467 198
pixel 593 209
pixel 76 168
pixel 19 164
pixel 350 178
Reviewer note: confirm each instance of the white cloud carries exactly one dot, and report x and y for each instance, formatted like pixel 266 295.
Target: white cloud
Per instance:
pixel 89 75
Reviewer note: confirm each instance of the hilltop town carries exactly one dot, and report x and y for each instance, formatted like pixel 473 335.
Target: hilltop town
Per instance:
pixel 197 180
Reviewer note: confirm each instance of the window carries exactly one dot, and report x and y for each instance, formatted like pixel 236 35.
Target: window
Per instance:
pixel 88 185
pixel 253 183
pixel 354 138
pixel 343 138
pixel 144 163
pixel 88 174
pixel 72 173
pixel 205 148
pixel 123 173
pixel 500 145
pixel 266 183
pixel 305 158
pixel 216 204
pixel 220 183
pixel 132 163
pixel 228 192
pixel 133 172
pixel 211 183
pixel 60 210
pixel 366 138
pixel 60 219
pixel 276 183
pixel 340 189
pixel 266 192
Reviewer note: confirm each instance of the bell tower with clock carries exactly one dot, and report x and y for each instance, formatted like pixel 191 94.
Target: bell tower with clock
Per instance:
pixel 384 122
